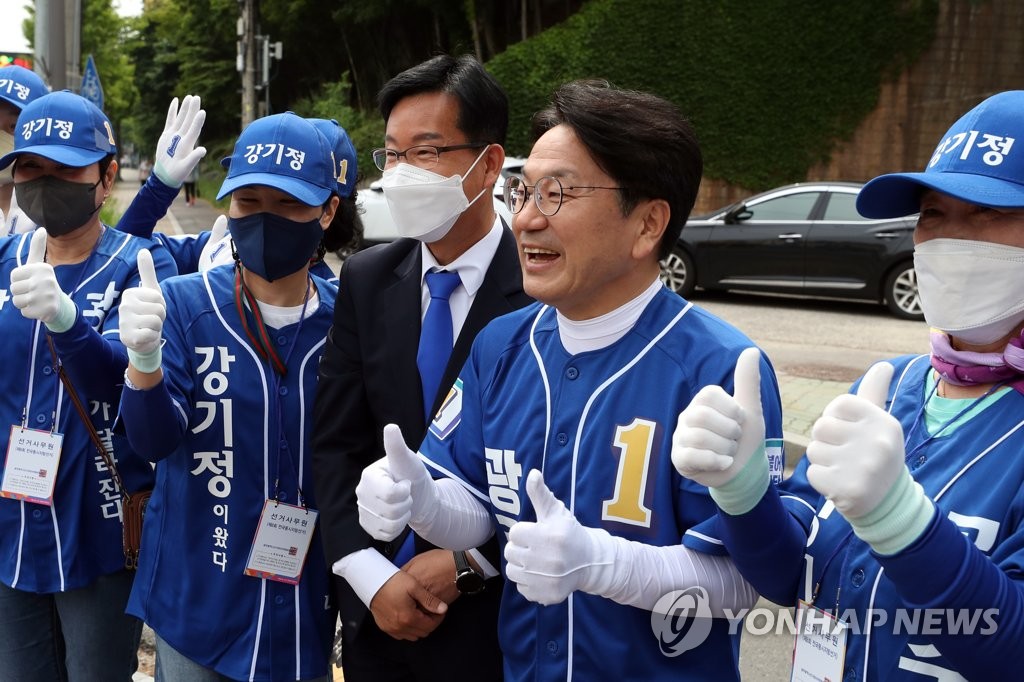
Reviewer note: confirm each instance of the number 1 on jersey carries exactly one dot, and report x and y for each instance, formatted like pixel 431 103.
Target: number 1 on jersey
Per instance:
pixel 634 443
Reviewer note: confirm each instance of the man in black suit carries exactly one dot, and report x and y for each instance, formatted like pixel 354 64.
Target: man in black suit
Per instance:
pixel 446 121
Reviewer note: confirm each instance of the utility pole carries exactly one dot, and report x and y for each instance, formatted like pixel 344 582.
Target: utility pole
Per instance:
pixel 247 59
pixel 50 53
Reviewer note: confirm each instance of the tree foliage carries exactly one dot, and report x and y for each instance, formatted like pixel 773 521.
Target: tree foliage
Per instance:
pixel 770 87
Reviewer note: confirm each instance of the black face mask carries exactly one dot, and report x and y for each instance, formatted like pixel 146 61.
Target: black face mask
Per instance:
pixel 274 247
pixel 56 204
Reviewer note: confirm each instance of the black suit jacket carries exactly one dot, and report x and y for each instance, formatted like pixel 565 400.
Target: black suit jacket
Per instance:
pixel 369 378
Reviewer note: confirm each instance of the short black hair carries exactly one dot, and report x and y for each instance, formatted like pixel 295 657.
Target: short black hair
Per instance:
pixel 483 104
pixel 640 140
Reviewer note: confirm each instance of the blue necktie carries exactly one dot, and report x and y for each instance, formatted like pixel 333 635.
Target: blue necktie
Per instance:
pixel 436 336
pixel 436 341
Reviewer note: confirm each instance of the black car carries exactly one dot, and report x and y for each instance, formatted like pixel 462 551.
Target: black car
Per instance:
pixel 805 239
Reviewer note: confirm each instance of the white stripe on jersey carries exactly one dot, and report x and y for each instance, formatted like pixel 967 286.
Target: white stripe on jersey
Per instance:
pixel 110 259
pixel 706 538
pixel 547 386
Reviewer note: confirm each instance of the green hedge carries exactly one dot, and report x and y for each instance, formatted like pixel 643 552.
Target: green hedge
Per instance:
pixel 769 86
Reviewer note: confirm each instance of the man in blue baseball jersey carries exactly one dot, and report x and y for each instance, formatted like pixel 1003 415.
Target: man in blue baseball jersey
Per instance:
pixel 64 584
pixel 557 433
pixel 899 535
pixel 221 379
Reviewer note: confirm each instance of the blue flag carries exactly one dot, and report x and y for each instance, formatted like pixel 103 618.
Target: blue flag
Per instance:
pixel 92 90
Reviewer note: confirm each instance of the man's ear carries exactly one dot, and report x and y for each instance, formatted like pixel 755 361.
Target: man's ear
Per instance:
pixel 653 216
pixel 492 161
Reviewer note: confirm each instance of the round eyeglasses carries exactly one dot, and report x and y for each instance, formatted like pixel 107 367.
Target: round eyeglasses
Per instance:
pixel 547 194
pixel 421 155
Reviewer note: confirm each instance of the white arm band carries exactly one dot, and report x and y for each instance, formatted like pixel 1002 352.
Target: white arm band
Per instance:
pixel 641 574
pixel 366 572
pixel 457 520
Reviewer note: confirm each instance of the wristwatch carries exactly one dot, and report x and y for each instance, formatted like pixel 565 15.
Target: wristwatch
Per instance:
pixel 467 580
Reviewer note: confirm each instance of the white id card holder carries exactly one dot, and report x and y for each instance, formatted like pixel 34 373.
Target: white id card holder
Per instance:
pixel 820 650
pixel 281 543
pixel 30 471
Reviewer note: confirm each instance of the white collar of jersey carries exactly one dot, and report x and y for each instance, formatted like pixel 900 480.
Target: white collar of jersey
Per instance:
pixel 279 317
pixel 471 265
pixel 601 332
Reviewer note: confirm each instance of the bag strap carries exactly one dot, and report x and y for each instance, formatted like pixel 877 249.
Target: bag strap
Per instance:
pixel 93 435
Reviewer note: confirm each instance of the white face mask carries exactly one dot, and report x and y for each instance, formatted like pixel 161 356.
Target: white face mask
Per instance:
pixel 6 146
pixel 971 290
pixel 423 204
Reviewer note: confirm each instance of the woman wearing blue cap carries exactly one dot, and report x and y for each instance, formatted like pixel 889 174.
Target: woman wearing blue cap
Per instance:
pixel 901 534
pixel 222 374
pixel 199 252
pixel 63 583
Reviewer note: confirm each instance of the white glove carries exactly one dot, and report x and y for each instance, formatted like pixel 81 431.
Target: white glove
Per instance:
pixel 217 250
pixel 717 433
pixel 142 314
pixel 856 449
pixel 857 461
pixel 395 493
pixel 550 559
pixel 176 151
pixel 35 291
pixel 383 504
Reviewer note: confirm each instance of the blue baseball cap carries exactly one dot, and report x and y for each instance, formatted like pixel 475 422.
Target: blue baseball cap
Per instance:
pixel 63 127
pixel 285 152
pixel 344 153
pixel 19 86
pixel 978 161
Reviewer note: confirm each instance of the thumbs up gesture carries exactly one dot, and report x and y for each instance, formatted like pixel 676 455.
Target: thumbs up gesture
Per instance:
pixel 717 434
pixel 142 314
pixel 556 555
pixel 395 491
pixel 856 450
pixel 35 291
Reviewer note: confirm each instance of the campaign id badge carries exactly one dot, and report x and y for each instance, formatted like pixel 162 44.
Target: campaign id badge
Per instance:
pixel 30 471
pixel 820 650
pixel 281 543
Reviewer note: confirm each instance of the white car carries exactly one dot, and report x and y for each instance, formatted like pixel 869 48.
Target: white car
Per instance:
pixel 378 227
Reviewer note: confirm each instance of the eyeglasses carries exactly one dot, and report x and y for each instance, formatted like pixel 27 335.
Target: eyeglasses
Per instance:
pixel 421 155
pixel 547 194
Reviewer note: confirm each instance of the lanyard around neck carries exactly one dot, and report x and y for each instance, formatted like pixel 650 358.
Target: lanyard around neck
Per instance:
pixel 260 339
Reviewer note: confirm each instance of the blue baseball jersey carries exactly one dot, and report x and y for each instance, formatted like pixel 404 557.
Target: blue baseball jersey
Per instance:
pixel 975 475
pixel 234 435
pixel 69 544
pixel 599 425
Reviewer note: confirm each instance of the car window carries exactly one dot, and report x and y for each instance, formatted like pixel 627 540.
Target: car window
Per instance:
pixel 789 207
pixel 842 208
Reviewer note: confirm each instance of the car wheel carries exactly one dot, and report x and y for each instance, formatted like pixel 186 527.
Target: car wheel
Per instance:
pixel 901 294
pixel 678 273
